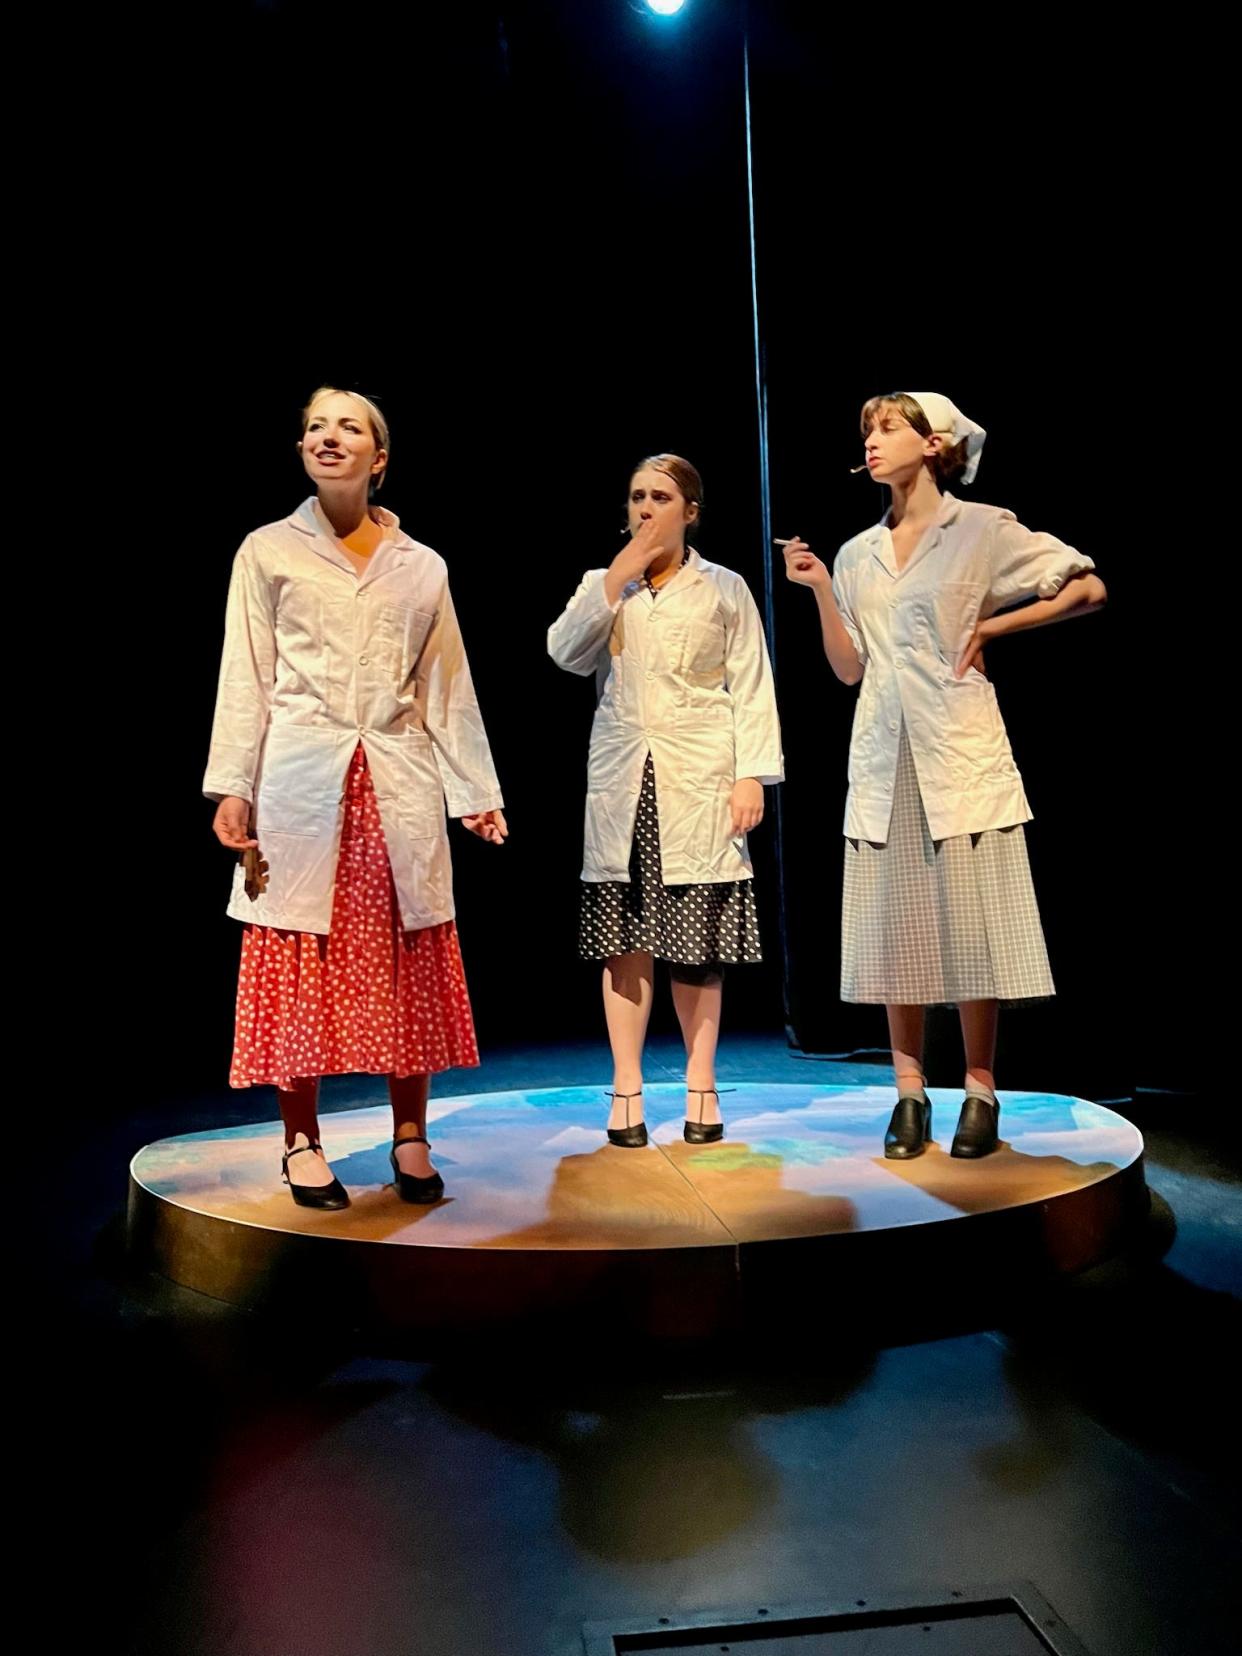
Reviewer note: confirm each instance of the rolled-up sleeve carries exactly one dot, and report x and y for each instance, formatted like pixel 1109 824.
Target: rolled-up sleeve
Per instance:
pixel 579 635
pixel 247 679
pixel 752 691
pixel 843 580
pixel 1024 564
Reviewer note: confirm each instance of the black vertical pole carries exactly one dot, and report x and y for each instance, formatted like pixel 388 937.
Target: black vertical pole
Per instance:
pixel 765 507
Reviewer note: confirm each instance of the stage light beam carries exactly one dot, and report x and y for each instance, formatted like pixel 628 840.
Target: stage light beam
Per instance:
pixel 665 8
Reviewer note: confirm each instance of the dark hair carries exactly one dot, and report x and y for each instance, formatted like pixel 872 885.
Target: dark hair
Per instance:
pixel 682 473
pixel 949 463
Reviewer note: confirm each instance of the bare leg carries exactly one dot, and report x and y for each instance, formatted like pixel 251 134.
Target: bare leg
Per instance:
pixel 299 1110
pixel 905 1034
pixel 627 1010
pixel 698 1011
pixel 979 1020
pixel 408 1094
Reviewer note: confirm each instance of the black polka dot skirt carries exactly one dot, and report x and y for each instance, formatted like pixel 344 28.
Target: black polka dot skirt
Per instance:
pixel 689 925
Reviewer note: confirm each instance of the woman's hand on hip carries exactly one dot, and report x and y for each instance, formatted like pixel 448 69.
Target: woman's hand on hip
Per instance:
pixel 231 824
pixel 488 825
pixel 746 804
pixel 972 655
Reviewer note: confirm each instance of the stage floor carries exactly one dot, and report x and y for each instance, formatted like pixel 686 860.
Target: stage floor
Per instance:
pixel 541 1214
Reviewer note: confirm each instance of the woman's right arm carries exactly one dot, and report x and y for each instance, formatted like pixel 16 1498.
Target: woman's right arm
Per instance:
pixel 842 642
pixel 577 637
pixel 243 700
pixel 580 632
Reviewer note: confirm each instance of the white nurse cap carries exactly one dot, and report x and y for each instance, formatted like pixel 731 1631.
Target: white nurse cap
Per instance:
pixel 945 417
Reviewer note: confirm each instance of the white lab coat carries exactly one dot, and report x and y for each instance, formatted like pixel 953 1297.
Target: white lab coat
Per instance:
pixel 318 658
pixel 909 628
pixel 685 677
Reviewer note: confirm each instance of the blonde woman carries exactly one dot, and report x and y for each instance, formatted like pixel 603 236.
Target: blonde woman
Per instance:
pixel 345 720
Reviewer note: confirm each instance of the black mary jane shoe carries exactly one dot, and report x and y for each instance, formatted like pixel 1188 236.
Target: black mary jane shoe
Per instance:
pixel 329 1196
pixel 909 1129
pixel 703 1132
pixel 977 1128
pixel 627 1137
pixel 411 1187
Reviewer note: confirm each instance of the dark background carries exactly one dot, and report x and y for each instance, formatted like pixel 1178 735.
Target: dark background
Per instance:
pixel 524 230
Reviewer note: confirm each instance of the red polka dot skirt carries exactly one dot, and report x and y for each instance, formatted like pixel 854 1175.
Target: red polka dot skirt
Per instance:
pixel 369 998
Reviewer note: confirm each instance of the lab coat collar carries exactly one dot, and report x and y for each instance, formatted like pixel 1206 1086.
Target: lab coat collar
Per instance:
pixel 881 540
pixel 689 575
pixel 309 520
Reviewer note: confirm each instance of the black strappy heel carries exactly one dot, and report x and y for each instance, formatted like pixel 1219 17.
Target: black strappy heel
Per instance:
pixel 700 1132
pixel 330 1196
pixel 627 1137
pixel 411 1187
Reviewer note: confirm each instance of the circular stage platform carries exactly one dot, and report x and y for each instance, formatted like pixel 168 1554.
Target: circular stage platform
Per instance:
pixel 542 1218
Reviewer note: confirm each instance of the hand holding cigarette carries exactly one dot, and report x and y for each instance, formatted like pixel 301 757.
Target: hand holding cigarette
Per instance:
pixel 801 564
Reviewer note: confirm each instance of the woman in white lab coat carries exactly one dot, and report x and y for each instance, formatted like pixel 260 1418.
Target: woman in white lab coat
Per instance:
pixel 938 903
pixel 684 739
pixel 345 719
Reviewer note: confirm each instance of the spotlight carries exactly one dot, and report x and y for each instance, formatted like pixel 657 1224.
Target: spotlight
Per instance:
pixel 665 8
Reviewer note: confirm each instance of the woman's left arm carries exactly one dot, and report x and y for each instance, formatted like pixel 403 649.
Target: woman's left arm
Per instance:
pixel 757 757
pixel 1047 579
pixel 1081 595
pixel 454 723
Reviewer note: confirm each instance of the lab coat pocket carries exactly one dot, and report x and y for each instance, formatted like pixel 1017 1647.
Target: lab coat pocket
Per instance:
pixel 698 648
pixel 398 636
pixel 422 857
pixel 292 797
pixel 422 819
pixel 420 800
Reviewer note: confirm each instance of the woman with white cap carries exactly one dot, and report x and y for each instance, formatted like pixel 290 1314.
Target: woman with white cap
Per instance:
pixel 938 904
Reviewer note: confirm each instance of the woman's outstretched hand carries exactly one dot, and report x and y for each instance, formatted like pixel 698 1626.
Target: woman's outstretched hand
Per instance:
pixel 488 825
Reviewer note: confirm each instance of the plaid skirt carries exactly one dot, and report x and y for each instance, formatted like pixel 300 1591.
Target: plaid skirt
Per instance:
pixel 927 924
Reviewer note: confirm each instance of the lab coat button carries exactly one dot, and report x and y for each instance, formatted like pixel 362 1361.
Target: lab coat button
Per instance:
pixel 363 661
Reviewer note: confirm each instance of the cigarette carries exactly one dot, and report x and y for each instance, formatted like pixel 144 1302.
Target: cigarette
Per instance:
pixel 854 469
pixel 782 542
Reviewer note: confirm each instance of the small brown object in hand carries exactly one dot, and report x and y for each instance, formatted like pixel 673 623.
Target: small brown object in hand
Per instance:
pixel 255 865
